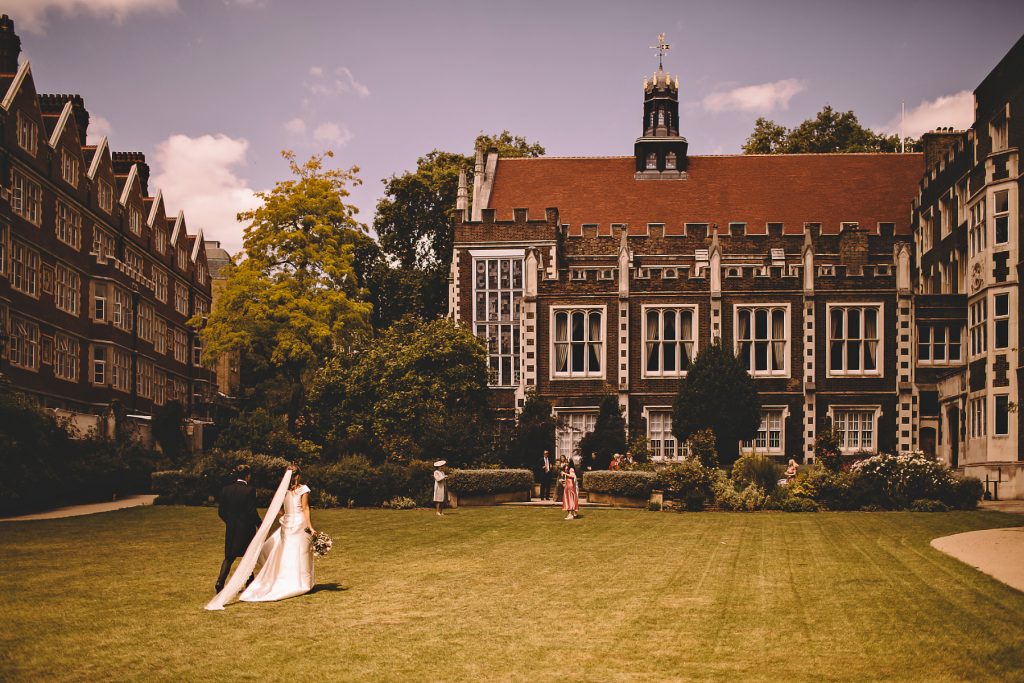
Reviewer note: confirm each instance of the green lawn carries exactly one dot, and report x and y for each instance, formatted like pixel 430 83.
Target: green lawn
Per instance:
pixel 515 594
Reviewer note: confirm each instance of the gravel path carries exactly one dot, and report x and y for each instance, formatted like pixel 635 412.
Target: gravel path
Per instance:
pixel 90 509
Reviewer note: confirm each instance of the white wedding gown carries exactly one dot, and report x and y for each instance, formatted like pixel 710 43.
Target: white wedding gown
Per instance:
pixel 286 557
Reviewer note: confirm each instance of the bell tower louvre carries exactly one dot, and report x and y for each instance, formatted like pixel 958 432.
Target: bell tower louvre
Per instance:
pixel 661 152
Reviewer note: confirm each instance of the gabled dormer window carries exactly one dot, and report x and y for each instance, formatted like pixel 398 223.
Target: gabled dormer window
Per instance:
pixel 160 240
pixel 28 134
pixel 69 167
pixel 135 220
pixel 105 196
pixel 182 259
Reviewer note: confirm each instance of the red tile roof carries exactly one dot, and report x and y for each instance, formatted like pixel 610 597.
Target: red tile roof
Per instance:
pixel 793 189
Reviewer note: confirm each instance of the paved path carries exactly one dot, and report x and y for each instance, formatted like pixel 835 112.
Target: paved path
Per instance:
pixel 996 552
pixel 90 509
pixel 1016 506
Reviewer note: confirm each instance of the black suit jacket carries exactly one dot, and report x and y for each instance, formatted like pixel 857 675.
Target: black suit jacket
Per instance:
pixel 238 510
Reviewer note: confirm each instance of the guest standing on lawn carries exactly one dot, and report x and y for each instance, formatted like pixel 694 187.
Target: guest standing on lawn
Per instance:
pixel 546 469
pixel 571 496
pixel 440 485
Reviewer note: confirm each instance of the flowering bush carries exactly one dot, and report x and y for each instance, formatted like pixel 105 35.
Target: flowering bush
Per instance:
pixel 900 479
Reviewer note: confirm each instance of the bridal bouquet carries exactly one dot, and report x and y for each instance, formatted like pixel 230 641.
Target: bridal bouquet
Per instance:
pixel 322 544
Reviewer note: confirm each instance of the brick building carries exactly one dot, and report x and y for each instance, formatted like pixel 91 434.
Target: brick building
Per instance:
pixel 967 220
pixel 590 276
pixel 97 277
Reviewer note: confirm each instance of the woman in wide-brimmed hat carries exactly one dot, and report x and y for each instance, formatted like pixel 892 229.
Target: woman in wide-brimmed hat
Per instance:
pixel 440 485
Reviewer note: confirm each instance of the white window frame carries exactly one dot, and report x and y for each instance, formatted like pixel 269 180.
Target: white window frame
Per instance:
pixel 98 365
pixel 68 225
pixel 23 344
pixel 752 446
pixel 105 196
pixel 998 215
pixel 586 373
pixel 135 220
pixel 25 268
pixel 182 259
pixel 977 236
pixel 69 167
pixel 180 346
pixel 926 338
pixel 159 335
pixel 27 132
pixel 160 280
pixel 569 434
pixel 181 298
pixel 879 370
pixel 26 198
pixel 144 321
pixel 658 439
pixel 484 322
pixel 876 413
pixel 787 337
pixel 144 379
pixel 104 244
pixel 977 417
pixel 66 350
pixel 123 314
pixel 694 311
pixel 977 320
pixel 120 370
pixel 67 289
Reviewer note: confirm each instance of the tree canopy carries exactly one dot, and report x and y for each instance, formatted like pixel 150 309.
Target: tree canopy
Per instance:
pixel 829 131
pixel 296 297
pixel 609 435
pixel 534 433
pixel 717 394
pixel 419 391
pixel 414 218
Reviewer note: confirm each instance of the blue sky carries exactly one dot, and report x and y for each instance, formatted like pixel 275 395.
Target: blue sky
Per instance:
pixel 212 90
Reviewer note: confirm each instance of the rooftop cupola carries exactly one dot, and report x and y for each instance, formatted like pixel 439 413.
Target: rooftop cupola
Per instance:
pixel 661 151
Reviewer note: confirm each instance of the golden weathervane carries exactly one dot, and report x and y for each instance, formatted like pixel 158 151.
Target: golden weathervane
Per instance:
pixel 662 47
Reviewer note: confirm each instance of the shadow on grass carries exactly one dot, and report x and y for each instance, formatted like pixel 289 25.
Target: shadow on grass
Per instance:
pixel 327 588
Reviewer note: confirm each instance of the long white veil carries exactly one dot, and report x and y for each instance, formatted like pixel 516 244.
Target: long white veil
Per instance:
pixel 237 581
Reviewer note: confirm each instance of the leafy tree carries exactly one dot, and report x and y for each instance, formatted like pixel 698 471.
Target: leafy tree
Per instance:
pixel 609 435
pixel 414 218
pixel 295 299
pixel 720 395
pixel 827 448
pixel 829 131
pixel 534 433
pixel 418 391
pixel 703 447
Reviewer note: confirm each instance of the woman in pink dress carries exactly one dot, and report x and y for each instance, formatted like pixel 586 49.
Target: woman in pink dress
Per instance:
pixel 571 496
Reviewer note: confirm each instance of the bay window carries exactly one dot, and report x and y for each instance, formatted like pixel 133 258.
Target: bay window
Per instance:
pixel 497 304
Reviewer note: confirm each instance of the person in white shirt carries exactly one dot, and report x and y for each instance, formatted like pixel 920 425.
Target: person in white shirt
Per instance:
pixel 440 485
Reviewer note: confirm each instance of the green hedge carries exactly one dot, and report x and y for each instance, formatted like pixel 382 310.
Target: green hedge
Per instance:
pixel 489 482
pixel 629 483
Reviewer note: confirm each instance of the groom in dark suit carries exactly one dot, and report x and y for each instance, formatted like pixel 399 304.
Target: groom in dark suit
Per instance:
pixel 238 510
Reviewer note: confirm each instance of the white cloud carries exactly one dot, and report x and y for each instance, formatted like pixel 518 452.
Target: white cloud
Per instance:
pixel 199 176
pixel 956 110
pixel 341 82
pixel 32 15
pixel 761 98
pixel 296 126
pixel 99 128
pixel 332 133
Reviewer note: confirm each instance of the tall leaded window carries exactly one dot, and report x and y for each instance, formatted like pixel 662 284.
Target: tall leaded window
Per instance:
pixel 160 387
pixel 145 321
pixel 762 339
pixel 976 416
pixel 160 284
pixel 105 196
pixel 135 220
pixel 24 268
pixel 28 133
pixel 104 245
pixel 67 294
pixel 124 318
pixel 978 320
pixel 181 298
pixel 497 297
pixel 670 341
pixel 854 336
pixel 939 344
pixel 144 378
pixel 579 342
pixel 99 365
pixel 180 346
pixel 69 167
pixel 769 438
pixel 570 430
pixel 23 344
pixel 660 439
pixel 65 357
pixel 26 198
pixel 1001 217
pixel 120 370
pixel 976 231
pixel 68 226
pixel 855 429
pixel 159 335
pixel 1001 321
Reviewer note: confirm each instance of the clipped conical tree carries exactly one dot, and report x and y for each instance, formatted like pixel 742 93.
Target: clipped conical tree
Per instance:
pixel 717 394
pixel 608 437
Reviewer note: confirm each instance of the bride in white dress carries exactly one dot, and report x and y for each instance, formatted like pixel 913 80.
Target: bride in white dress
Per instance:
pixel 286 557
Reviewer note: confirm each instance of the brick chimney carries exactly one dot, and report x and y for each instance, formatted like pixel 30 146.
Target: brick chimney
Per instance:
pixel 123 162
pixel 937 143
pixel 10 46
pixel 853 248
